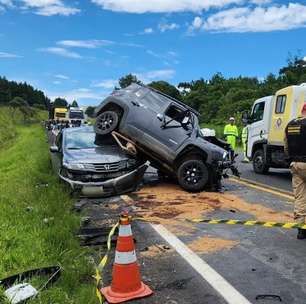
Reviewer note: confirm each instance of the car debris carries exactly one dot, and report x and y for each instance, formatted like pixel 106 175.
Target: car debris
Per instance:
pixel 166 132
pixel 95 170
pixel 17 291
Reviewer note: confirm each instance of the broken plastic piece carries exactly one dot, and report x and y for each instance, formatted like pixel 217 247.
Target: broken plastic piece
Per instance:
pixel 21 292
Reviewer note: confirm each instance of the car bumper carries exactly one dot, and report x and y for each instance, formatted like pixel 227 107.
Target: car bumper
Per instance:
pixel 119 185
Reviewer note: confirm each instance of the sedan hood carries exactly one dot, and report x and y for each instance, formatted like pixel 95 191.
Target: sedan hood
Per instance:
pixel 105 154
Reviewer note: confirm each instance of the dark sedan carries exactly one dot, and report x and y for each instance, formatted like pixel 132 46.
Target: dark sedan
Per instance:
pixel 94 170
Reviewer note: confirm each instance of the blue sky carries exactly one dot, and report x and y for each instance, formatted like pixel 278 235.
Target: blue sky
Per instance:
pixel 79 49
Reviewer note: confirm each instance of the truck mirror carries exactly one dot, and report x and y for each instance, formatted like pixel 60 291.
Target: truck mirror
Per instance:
pixel 160 117
pixel 245 117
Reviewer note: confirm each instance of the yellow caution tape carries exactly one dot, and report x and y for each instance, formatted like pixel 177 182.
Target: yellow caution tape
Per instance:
pixel 99 269
pixel 251 223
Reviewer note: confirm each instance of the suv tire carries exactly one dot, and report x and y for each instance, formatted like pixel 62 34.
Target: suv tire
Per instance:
pixel 106 122
pixel 259 165
pixel 193 174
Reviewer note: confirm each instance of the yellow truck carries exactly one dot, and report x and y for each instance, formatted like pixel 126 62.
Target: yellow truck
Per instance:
pixel 61 114
pixel 266 127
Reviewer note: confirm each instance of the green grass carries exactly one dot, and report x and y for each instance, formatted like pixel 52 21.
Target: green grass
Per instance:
pixel 26 240
pixel 11 118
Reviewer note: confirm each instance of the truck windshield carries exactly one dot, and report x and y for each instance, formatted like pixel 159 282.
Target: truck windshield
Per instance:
pixel 76 115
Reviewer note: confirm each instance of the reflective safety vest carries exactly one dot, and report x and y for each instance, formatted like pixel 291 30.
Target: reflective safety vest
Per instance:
pixel 231 133
pixel 230 130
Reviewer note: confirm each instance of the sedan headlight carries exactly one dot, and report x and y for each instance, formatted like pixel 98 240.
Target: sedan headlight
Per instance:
pixel 73 166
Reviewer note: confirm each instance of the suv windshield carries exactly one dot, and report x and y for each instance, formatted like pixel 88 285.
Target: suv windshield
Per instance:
pixel 81 140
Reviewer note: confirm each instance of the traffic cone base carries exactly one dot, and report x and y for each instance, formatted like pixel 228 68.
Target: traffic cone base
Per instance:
pixel 118 297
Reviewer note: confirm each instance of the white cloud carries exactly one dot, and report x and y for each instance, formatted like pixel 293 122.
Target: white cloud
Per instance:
pixel 78 94
pixel 61 52
pixel 155 75
pixel 8 55
pixel 56 82
pixel 61 76
pixel 162 6
pixel 258 19
pixel 88 44
pixel 163 27
pixel 50 7
pixel 148 30
pixel 260 2
pixel 106 84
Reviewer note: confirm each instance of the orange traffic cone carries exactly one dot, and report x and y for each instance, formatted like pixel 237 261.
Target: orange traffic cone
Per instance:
pixel 126 284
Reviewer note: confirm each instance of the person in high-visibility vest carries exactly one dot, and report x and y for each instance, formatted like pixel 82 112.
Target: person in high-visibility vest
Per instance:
pixel 244 138
pixel 231 133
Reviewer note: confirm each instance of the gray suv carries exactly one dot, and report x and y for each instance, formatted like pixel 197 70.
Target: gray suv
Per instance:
pixel 166 132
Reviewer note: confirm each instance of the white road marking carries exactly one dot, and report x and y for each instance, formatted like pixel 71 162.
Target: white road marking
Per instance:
pixel 223 287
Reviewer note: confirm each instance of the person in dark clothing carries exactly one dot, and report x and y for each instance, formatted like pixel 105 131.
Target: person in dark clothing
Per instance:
pixel 295 148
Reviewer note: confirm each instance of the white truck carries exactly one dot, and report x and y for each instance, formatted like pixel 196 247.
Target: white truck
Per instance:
pixel 266 127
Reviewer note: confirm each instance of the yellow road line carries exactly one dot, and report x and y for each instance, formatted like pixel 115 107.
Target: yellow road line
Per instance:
pixel 262 188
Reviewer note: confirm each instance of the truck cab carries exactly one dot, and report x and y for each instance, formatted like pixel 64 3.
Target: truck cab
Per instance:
pixel 266 127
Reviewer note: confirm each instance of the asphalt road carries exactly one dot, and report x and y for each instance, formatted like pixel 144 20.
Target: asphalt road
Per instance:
pixel 264 261
pixel 278 178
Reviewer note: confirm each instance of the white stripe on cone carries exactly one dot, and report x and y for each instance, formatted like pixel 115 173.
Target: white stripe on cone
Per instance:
pixel 125 230
pixel 125 257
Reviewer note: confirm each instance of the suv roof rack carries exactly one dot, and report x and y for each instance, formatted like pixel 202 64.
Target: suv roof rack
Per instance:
pixel 172 98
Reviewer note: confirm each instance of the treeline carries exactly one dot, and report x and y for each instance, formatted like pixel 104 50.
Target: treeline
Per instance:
pixel 9 90
pixel 218 98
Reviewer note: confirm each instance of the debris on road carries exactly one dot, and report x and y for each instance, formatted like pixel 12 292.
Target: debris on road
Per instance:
pixel 208 244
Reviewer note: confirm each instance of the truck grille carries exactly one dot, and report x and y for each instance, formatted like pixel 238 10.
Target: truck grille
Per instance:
pixel 107 167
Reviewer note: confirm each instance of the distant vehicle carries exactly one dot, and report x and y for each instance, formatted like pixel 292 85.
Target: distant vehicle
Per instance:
pixel 93 170
pixel 60 114
pixel 266 127
pixel 76 115
pixel 167 132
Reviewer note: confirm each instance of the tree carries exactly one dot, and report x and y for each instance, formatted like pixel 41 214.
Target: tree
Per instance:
pixel 127 80
pixel 18 102
pixel 74 104
pixel 90 111
pixel 60 103
pixel 166 88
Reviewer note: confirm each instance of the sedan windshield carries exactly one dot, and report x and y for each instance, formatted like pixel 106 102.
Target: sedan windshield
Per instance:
pixel 81 140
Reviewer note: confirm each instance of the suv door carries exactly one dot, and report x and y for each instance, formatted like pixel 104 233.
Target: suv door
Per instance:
pixel 167 133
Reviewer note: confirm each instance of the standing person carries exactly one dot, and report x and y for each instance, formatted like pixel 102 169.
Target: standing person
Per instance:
pixel 295 148
pixel 231 133
pixel 244 138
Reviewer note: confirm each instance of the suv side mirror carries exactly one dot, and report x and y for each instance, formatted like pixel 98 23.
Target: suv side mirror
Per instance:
pixel 160 117
pixel 54 149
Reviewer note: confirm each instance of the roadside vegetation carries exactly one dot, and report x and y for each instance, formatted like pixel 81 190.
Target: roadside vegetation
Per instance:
pixel 36 223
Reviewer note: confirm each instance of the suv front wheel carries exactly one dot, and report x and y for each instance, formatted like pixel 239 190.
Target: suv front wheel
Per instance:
pixel 106 122
pixel 193 174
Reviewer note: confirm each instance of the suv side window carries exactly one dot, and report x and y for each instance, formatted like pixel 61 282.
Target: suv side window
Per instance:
pixel 258 111
pixel 280 104
pixel 175 113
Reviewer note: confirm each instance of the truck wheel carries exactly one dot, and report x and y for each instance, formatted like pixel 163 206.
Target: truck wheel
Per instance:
pixel 259 164
pixel 193 174
pixel 106 122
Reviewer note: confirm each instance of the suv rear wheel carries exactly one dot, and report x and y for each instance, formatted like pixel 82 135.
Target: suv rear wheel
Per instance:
pixel 259 164
pixel 106 122
pixel 193 174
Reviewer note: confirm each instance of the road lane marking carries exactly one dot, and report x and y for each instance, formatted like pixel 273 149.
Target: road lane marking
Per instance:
pixel 216 281
pixel 262 188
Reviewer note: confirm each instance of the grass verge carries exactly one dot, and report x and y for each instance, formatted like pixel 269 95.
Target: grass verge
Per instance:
pixel 36 223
